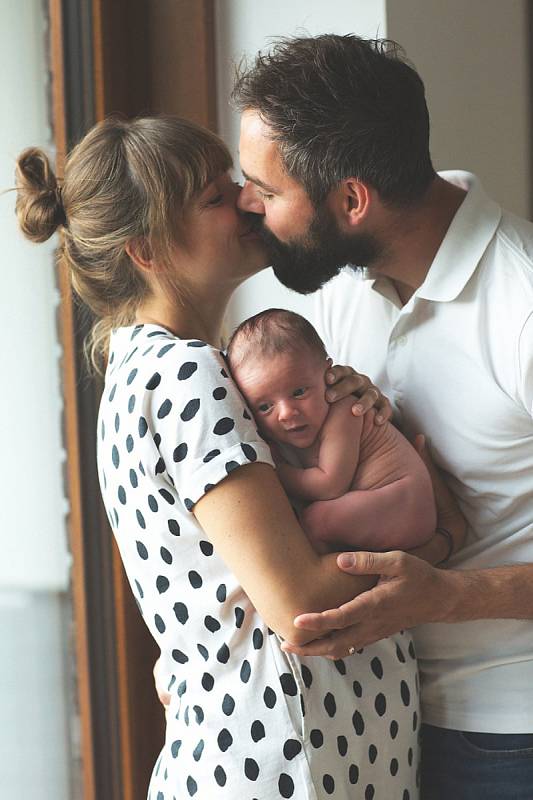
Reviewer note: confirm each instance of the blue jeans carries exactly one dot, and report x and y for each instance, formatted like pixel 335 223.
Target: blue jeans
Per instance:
pixel 458 765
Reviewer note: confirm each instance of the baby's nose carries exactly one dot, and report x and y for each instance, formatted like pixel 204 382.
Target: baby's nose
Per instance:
pixel 287 410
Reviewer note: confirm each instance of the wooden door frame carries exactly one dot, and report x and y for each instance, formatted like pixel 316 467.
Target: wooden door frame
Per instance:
pixel 94 44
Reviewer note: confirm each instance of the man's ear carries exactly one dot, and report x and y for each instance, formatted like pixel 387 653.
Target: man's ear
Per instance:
pixel 351 201
pixel 140 253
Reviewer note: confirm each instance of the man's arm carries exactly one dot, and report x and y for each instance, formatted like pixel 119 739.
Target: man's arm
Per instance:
pixel 411 592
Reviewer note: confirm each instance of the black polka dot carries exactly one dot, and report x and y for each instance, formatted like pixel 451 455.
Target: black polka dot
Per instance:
pixel 223 654
pixel 141 468
pixel 192 786
pixel 175 748
pixel 160 466
pixel 372 753
pixel 220 776
pixel 159 624
pixel 190 410
pixel 380 704
pixel 251 769
pixel 358 723
pixel 195 579
pixel 131 403
pixel 164 409
pixel 117 422
pixel 164 350
pixel 394 766
pixel 129 443
pixel 342 745
pixel 154 381
pixel 288 684
pixel 115 456
pixel 224 739
pixel 188 503
pixel 221 593
pixel 269 697
pixel 141 549
pixel 179 656
pixel 410 756
pixel 167 496
pixel 330 705
pixel 249 452
pixel 230 466
pixel 207 681
pixel 285 785
pixel 291 748
pixel 162 584
pixel 139 589
pixel 245 671
pixel 211 623
pixel 157 439
pixel 206 548
pixel 143 427
pixel 369 792
pixel 399 654
pixel 239 617
pixel 112 393
pixel 377 667
pixel 415 720
pixel 224 425
pixel 353 774
pixel 317 738
pixel 152 502
pixel 406 795
pixel 411 650
pixel 228 705
pixel 405 693
pixel 328 784
pixel 174 527
pixel 180 452
pixel 133 479
pixel 131 377
pixel 340 666
pixel 357 689
pixel 140 519
pixel 246 415
pixel 182 688
pixel 186 370
pixel 393 729
pixel 219 393
pixel 166 555
pixel 257 730
pixel 257 639
pixel 199 714
pixel 182 613
pixel 203 651
pixel 307 676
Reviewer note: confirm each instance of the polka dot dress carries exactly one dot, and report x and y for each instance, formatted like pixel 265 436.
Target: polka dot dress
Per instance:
pixel 246 721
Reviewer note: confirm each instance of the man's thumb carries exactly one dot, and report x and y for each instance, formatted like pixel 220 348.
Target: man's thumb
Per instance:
pixel 366 563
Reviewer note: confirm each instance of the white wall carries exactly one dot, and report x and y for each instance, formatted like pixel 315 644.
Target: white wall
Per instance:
pixel 32 526
pixel 242 28
pixel 473 57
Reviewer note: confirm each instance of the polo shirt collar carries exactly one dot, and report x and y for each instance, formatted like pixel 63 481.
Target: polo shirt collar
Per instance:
pixel 462 248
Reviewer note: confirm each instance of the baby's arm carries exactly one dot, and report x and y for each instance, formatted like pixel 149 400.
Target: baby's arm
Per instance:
pixel 337 458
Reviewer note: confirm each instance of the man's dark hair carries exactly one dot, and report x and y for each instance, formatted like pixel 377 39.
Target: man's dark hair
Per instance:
pixel 341 107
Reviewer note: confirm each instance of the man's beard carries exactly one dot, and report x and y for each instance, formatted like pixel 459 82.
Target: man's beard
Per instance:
pixel 305 264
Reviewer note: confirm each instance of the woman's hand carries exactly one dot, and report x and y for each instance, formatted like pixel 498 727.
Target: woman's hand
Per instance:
pixel 344 381
pixel 162 693
pixel 409 591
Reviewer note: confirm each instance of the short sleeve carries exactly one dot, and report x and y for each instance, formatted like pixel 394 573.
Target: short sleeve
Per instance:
pixel 525 364
pixel 204 430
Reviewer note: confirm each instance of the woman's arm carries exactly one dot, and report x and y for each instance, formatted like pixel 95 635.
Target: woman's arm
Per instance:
pixel 248 519
pixel 338 457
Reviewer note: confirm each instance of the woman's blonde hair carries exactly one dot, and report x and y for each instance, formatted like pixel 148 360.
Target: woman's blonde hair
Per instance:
pixel 126 181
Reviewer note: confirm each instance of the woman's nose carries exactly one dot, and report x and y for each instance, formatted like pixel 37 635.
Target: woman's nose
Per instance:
pixel 249 200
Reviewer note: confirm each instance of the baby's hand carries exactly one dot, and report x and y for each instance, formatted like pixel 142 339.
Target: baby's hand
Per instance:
pixel 344 381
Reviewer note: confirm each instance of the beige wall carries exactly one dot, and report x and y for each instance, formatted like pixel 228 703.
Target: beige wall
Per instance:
pixel 473 58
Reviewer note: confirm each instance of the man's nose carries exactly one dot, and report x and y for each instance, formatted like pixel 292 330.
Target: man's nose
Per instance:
pixel 249 200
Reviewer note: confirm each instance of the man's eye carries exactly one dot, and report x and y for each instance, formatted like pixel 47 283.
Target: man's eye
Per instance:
pixel 299 392
pixel 265 195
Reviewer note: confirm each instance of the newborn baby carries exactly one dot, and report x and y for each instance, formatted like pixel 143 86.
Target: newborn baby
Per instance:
pixel 365 485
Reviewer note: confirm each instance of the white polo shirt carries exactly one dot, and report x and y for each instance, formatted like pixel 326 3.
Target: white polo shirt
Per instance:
pixel 457 363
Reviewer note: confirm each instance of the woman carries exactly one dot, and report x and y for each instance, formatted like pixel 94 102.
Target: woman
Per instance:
pixel 212 549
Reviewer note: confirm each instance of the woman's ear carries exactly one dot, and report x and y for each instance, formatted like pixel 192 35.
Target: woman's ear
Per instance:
pixel 140 253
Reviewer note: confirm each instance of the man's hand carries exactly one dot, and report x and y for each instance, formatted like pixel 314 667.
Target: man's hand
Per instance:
pixel 344 381
pixel 409 592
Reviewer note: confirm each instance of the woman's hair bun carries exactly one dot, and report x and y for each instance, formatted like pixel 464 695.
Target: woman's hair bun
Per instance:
pixel 39 205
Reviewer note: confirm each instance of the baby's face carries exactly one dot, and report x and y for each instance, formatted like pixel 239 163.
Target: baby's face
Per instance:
pixel 286 395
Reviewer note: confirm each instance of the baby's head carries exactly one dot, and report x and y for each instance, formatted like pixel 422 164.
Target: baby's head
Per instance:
pixel 278 361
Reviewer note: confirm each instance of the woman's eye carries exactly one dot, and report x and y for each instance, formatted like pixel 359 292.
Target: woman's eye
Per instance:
pixel 299 392
pixel 215 201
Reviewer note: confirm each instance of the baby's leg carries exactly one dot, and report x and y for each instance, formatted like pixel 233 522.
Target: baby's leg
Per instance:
pixel 399 515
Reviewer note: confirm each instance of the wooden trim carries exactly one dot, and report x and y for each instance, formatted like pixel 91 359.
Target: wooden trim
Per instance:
pixel 71 426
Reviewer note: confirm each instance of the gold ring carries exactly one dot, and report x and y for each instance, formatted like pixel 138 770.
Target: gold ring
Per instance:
pixel 351 650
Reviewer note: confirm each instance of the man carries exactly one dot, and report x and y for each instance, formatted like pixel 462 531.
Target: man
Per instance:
pixel 334 148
